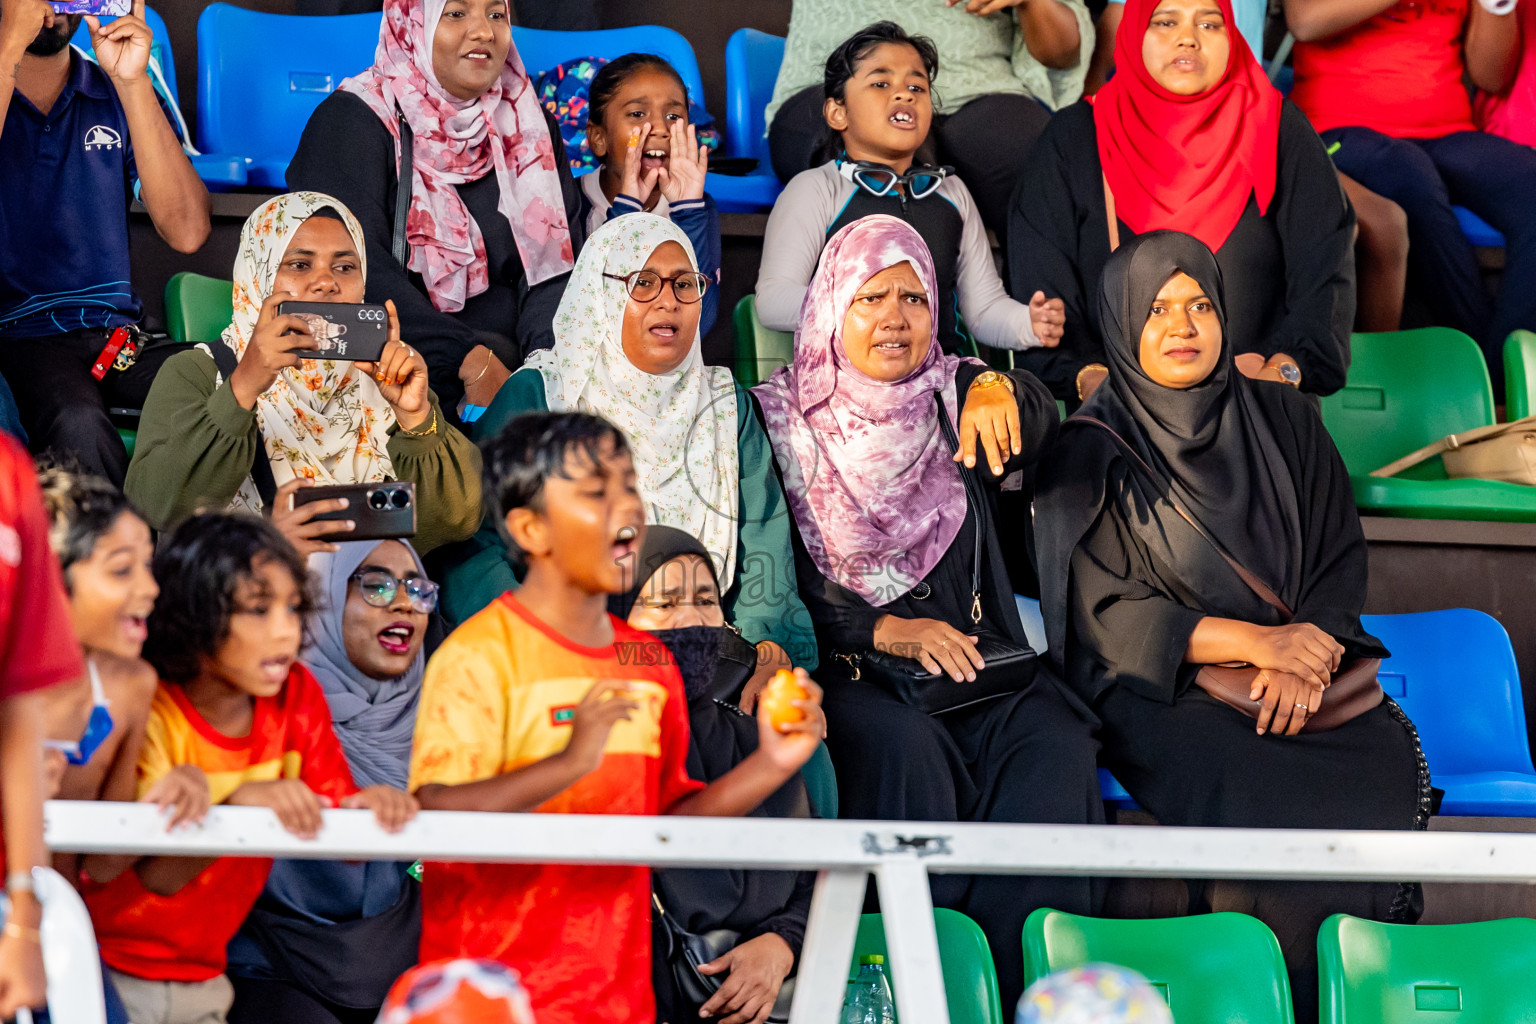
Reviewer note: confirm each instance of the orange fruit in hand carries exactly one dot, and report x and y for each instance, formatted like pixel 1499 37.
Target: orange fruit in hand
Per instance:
pixel 778 697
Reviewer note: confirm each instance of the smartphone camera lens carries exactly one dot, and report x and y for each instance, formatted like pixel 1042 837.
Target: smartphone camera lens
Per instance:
pixel 401 498
pixel 378 500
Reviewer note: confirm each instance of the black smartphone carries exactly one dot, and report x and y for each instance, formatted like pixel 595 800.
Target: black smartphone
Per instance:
pixel 345 330
pixel 381 511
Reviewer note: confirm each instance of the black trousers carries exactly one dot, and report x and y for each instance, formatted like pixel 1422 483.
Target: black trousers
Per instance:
pixel 64 408
pixel 1028 757
pixel 986 142
pixel 268 1002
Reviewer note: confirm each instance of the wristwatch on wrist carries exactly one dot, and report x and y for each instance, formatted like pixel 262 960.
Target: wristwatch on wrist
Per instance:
pixel 992 379
pixel 1289 372
pixel 18 882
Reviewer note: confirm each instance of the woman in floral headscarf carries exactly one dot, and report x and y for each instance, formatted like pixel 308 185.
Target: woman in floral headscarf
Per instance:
pixel 627 349
pixel 887 552
pixel 281 421
pixel 492 202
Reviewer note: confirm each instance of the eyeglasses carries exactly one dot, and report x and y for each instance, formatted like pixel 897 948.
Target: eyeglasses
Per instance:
pixel 379 589
pixel 920 181
pixel 645 285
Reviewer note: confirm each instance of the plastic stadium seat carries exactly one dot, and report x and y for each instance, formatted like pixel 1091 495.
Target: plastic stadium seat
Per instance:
pixel 261 75
pixel 219 173
pixel 1520 375
pixel 1454 672
pixel 1371 973
pixel 759 351
pixel 1112 792
pixel 542 49
pixel 752 60
pixel 1212 968
pixel 1477 230
pixel 198 308
pixel 1407 389
pixel 970 979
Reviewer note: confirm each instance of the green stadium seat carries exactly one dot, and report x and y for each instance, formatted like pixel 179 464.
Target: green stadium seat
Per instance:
pixel 1212 968
pixel 198 308
pixel 1407 389
pixel 1370 973
pixel 970 979
pixel 1519 375
pixel 759 351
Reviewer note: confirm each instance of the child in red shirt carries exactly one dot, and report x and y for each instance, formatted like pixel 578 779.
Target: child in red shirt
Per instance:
pixel 1382 82
pixel 537 703
pixel 236 720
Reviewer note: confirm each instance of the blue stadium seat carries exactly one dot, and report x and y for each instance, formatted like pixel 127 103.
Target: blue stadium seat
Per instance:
pixel 542 49
pixel 1112 792
pixel 219 173
pixel 261 75
pixel 1478 231
pixel 1454 672
pixel 752 60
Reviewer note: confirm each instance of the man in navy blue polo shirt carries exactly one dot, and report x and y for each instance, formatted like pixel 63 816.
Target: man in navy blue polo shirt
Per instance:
pixel 77 140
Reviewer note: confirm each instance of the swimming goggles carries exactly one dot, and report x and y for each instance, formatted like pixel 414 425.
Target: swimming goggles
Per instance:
pixel 920 181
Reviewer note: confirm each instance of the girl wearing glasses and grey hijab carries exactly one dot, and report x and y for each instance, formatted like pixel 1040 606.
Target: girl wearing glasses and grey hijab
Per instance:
pixel 327 938
pixel 627 349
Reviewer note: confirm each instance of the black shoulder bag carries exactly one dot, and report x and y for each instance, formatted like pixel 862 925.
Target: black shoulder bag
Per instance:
pixel 1010 667
pixel 261 466
pixel 685 952
pixel 400 247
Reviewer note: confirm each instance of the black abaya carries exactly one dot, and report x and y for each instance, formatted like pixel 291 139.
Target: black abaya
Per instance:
pixel 1126 580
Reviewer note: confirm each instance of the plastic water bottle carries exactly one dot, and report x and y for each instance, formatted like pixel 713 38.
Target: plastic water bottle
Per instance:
pixel 869 996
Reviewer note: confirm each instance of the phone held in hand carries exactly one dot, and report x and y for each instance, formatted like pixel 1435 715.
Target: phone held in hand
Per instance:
pixel 378 511
pixel 345 330
pixel 98 8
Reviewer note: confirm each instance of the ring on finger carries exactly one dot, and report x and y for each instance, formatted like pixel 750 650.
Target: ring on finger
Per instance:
pixel 1302 706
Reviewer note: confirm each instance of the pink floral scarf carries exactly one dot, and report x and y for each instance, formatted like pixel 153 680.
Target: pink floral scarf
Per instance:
pixel 456 141
pixel 868 475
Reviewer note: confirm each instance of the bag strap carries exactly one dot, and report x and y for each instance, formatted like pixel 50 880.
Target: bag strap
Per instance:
pixel 973 498
pixel 1114 220
pixel 1451 442
pixel 1255 584
pixel 261 466
pixel 401 247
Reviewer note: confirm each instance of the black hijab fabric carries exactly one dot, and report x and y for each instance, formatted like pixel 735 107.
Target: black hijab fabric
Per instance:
pixel 1250 461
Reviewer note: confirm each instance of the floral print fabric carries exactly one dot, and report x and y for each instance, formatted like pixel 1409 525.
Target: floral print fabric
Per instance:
pixel 324 420
pixel 869 478
pixel 681 425
pixel 456 141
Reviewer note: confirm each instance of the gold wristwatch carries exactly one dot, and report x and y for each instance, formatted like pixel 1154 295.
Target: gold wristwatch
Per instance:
pixel 992 379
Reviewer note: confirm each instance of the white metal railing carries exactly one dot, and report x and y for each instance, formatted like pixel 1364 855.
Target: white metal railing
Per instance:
pixel 844 853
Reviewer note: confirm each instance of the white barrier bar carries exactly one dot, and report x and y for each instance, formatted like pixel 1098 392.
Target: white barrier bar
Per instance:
pixel 844 852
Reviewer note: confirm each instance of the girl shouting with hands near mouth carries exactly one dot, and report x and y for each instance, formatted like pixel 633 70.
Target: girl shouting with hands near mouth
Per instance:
pixel 278 421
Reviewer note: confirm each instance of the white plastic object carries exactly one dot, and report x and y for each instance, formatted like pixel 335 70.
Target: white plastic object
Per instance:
pixel 70 956
pixel 1499 7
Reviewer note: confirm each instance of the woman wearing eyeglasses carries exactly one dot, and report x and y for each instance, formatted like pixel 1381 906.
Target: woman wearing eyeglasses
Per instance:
pixel 627 349
pixel 328 938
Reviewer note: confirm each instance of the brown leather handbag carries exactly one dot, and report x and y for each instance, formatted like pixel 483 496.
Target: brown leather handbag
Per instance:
pixel 1352 692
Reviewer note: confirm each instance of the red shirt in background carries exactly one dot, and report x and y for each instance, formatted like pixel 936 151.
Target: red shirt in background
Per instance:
pixel 1513 115
pixel 182 937
pixel 1399 73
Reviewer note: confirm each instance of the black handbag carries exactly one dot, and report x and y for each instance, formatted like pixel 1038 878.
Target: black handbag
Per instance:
pixel 685 952
pixel 1010 667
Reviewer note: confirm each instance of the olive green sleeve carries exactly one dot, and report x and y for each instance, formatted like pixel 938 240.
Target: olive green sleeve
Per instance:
pixel 445 466
pixel 764 600
pixel 479 570
pixel 196 443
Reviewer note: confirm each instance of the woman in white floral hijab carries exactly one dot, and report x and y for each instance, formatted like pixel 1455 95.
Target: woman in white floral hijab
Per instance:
pixel 627 348
pixel 314 421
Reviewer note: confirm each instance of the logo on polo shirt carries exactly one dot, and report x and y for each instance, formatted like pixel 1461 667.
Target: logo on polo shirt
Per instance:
pixel 102 137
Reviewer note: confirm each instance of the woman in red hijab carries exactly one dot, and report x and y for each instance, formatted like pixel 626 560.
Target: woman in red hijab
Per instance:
pixel 1189 135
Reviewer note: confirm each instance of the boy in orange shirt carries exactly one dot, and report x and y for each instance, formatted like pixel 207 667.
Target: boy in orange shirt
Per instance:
pixel 237 720
pixel 539 703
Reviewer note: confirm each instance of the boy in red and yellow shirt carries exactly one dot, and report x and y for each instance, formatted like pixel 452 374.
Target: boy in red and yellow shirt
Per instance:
pixel 532 704
pixel 237 720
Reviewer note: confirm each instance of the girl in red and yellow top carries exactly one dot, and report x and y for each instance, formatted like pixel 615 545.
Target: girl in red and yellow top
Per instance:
pixel 545 702
pixel 236 720
pixel 1382 81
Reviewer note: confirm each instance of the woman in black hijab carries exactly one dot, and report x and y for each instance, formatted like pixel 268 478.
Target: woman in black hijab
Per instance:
pixel 676 598
pixel 1136 599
